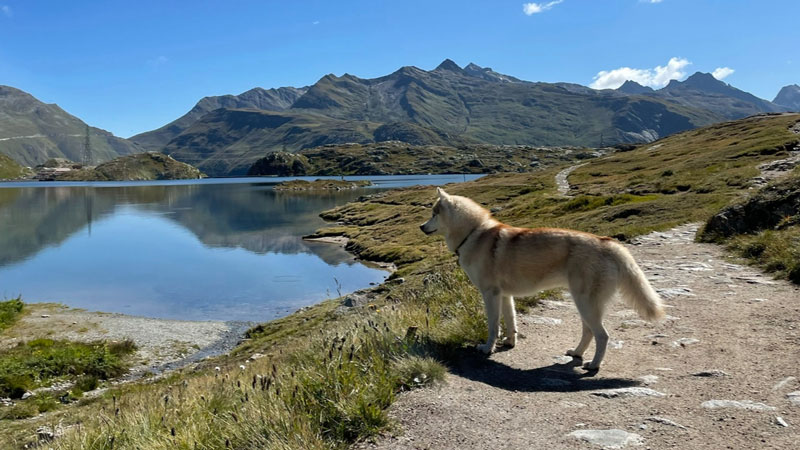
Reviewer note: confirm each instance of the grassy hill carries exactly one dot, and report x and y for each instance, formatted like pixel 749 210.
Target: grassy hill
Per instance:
pixel 142 166
pixel 9 169
pixel 326 376
pixel 395 157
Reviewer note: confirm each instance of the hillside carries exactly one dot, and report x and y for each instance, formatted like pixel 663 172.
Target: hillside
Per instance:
pixel 257 98
pixel 138 167
pixel 31 132
pixel 396 157
pixel 9 169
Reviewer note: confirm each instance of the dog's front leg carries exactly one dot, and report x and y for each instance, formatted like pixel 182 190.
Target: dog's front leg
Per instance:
pixel 491 302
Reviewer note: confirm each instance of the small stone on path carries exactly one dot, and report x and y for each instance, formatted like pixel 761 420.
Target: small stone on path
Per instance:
pixel 743 404
pixel 710 373
pixel 794 397
pixel 783 383
pixel 629 392
pixel 649 379
pixel 683 342
pixel 613 438
pixel 779 420
pixel 665 421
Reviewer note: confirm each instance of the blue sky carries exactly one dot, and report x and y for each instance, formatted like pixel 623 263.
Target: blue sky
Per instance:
pixel 132 66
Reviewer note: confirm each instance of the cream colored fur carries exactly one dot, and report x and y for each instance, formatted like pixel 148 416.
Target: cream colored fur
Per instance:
pixel 504 261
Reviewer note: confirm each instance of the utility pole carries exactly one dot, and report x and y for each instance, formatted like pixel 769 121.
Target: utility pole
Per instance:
pixel 87 150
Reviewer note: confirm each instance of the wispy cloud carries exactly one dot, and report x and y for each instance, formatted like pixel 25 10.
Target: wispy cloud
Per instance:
pixel 157 61
pixel 722 72
pixel 316 22
pixel 6 10
pixel 535 8
pixel 656 77
pixel 650 1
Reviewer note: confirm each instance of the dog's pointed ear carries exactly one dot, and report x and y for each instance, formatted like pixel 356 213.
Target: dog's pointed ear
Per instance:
pixel 442 193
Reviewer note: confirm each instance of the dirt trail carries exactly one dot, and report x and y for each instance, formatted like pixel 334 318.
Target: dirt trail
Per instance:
pixel 720 372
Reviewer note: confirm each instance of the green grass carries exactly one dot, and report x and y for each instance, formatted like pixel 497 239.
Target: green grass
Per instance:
pixel 10 311
pixel 776 251
pixel 41 361
pixel 9 169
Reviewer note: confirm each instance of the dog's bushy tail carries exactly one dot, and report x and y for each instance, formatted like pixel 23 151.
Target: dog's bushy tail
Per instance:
pixel 636 290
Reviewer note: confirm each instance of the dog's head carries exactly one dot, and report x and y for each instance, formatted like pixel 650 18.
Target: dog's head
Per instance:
pixel 438 223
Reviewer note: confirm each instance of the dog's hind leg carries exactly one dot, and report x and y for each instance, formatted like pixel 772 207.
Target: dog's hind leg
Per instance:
pixel 600 340
pixel 491 301
pixel 510 318
pixel 586 338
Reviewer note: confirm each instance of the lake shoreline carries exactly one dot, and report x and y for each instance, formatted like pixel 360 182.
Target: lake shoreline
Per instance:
pixel 164 345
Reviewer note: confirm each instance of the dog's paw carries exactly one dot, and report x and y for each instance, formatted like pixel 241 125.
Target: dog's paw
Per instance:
pixel 485 348
pixel 574 354
pixel 590 366
pixel 510 341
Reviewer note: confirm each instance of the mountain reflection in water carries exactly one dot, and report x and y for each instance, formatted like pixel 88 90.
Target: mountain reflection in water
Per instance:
pixel 203 250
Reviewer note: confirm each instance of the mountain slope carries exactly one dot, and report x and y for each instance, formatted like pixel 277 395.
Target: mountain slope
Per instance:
pixel 789 97
pixel 258 98
pixel 31 132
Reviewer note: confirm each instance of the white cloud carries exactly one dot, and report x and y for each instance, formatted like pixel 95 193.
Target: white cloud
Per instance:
pixel 535 8
pixel 652 1
pixel 656 77
pixel 722 72
pixel 6 10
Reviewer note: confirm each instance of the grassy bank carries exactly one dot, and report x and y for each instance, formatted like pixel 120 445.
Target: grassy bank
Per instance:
pixel 323 377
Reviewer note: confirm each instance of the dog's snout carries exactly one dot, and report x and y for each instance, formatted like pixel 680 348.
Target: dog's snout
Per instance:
pixel 422 227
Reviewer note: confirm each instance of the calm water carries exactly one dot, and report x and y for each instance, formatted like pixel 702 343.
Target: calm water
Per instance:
pixel 223 249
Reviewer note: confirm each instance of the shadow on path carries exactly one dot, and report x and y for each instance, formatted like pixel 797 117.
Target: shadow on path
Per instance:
pixel 568 377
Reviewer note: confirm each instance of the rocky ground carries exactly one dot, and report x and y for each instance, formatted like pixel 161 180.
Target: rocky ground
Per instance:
pixel 720 372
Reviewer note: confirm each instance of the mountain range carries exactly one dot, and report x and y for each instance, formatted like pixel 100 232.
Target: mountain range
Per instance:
pixel 448 105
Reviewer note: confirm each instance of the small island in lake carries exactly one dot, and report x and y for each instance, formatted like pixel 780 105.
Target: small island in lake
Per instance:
pixel 138 167
pixel 321 185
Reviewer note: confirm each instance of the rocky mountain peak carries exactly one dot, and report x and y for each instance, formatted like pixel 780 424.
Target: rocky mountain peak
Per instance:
pixel 632 87
pixel 789 97
pixel 449 65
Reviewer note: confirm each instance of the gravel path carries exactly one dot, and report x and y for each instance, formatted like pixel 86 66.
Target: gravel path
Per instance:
pixel 562 184
pixel 720 372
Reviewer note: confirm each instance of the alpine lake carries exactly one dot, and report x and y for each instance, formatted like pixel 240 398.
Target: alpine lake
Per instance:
pixel 214 249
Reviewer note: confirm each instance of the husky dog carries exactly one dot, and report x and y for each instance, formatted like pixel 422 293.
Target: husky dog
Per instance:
pixel 503 261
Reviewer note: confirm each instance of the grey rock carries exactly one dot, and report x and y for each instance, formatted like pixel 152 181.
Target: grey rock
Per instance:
pixel 683 342
pixel 355 299
pixel 794 397
pixel 711 373
pixel 649 379
pixel 613 438
pixel 737 404
pixel 665 421
pixel 779 421
pixel 629 392
pixel 783 383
